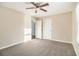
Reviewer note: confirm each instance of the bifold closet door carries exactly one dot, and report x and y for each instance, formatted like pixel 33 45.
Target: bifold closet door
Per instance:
pixel 47 28
pixel 38 28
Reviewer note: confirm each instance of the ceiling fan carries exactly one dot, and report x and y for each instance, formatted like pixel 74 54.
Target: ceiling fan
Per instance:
pixel 38 5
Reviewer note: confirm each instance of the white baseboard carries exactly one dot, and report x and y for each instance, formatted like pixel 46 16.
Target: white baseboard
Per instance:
pixel 57 40
pixel 11 45
pixel 75 49
pixel 62 41
pixel 23 42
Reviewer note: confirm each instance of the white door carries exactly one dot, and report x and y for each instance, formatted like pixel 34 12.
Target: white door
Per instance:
pixel 38 28
pixel 47 28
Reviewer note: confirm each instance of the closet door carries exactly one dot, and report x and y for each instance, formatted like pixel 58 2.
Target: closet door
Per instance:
pixel 47 28
pixel 38 28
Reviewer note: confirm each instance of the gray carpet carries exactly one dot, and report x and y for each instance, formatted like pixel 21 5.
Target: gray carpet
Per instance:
pixel 39 47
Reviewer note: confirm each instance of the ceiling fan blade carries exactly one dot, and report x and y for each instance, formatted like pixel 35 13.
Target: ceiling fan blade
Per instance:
pixel 31 8
pixel 34 4
pixel 43 10
pixel 46 4
pixel 35 11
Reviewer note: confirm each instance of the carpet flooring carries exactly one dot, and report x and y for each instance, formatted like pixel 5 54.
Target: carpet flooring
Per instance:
pixel 40 47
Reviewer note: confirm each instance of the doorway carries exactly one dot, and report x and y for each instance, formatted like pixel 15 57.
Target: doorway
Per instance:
pixel 41 28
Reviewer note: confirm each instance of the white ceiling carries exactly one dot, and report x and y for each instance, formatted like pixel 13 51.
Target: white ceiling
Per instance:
pixel 53 8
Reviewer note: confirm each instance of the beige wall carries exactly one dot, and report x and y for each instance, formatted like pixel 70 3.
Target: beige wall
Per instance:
pixel 27 20
pixel 62 27
pixel 11 27
pixel 75 28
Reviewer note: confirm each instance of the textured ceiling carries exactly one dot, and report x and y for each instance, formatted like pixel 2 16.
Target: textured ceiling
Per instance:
pixel 53 8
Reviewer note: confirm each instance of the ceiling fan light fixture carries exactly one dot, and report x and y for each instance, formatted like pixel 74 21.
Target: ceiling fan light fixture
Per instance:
pixel 35 11
pixel 38 5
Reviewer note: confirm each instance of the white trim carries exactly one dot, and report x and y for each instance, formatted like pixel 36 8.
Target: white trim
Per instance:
pixel 57 40
pixel 11 45
pixel 23 42
pixel 61 41
pixel 75 49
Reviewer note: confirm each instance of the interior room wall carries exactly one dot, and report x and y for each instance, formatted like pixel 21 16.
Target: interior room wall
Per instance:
pixel 62 27
pixel 58 27
pixel 11 27
pixel 75 34
pixel 27 28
